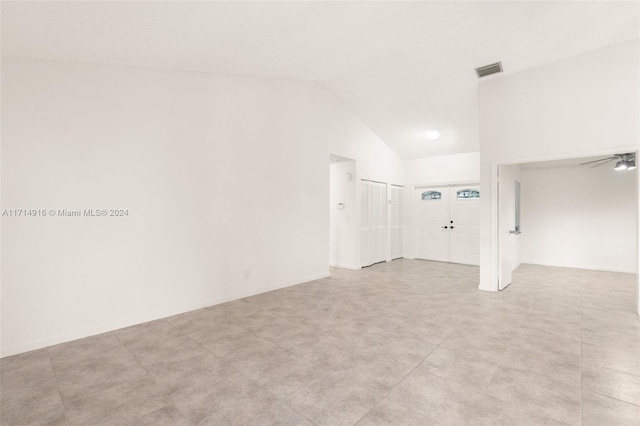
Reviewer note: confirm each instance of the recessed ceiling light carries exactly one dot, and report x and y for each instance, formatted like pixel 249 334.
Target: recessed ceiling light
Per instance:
pixel 432 135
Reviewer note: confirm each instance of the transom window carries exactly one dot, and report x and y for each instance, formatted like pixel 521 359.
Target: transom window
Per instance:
pixel 431 195
pixel 468 193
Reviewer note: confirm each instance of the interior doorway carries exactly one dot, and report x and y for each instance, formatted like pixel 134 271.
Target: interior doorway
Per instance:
pixel 576 213
pixel 343 213
pixel 508 214
pixel 447 223
pixel 366 217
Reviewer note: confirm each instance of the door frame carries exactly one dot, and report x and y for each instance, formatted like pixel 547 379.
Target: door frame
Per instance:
pixel 511 268
pixel 414 206
pixel 495 230
pixel 386 221
pixel 401 202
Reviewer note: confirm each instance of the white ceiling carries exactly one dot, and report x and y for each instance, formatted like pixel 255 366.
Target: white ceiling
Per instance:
pixel 402 67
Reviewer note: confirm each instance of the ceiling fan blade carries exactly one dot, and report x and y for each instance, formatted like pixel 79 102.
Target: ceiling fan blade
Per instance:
pixel 604 162
pixel 595 161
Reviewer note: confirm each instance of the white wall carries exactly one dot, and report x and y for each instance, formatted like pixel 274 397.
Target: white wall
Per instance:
pixel 223 178
pixel 350 138
pixel 580 217
pixel 579 106
pixel 343 223
pixel 444 169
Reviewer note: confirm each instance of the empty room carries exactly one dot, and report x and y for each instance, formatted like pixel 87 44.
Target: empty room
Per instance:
pixel 320 213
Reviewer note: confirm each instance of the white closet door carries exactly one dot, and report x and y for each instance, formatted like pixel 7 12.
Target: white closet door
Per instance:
pixel 365 225
pixel 375 223
pixel 396 229
pixel 432 223
pixel 379 222
pixel 373 228
pixel 383 227
pixel 465 225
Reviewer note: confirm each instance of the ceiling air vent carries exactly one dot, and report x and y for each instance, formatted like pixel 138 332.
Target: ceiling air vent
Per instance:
pixel 489 69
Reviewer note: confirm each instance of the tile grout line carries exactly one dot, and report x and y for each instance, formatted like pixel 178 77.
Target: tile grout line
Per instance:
pixel 209 351
pixel 390 357
pixel 55 376
pixel 403 379
pixel 609 368
pixel 151 376
pixel 299 413
pixel 614 398
pixel 508 346
pixel 266 340
pixel 501 358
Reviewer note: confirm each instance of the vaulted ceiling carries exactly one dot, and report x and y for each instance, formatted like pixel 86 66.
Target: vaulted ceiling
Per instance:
pixel 404 68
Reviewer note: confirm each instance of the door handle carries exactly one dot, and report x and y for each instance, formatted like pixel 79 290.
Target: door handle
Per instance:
pixel 445 227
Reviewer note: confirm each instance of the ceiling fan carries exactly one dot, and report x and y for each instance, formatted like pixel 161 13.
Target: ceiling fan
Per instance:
pixel 624 161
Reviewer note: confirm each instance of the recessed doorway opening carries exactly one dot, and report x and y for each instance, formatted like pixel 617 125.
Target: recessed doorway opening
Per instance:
pixel 577 213
pixel 343 213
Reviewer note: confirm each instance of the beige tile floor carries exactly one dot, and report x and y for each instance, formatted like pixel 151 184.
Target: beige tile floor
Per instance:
pixel 401 343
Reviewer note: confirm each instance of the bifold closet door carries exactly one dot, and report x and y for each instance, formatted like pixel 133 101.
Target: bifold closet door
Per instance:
pixel 396 230
pixel 373 222
pixel 365 226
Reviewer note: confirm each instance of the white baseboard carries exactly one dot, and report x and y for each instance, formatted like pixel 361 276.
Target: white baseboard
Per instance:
pixel 516 267
pixel 588 267
pixel 116 325
pixel 339 265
